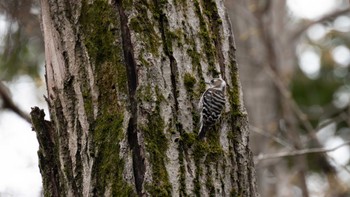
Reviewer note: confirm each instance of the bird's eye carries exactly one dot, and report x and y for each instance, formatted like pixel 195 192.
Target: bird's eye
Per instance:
pixel 212 81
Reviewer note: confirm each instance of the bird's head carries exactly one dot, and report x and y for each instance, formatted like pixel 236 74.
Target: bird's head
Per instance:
pixel 217 83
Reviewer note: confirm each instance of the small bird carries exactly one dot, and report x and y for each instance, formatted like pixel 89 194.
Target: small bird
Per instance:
pixel 211 105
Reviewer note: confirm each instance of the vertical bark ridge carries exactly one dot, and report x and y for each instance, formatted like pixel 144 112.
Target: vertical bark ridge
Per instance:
pixel 215 23
pixel 154 72
pixel 175 29
pixel 161 184
pixel 138 157
pixel 206 36
pixel 48 160
pixel 62 87
pixel 101 33
pixel 167 46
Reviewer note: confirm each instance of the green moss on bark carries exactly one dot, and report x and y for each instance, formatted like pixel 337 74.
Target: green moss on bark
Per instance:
pixel 108 166
pixel 182 172
pixel 193 86
pixel 234 91
pixel 144 26
pixel 209 183
pixel 208 44
pixel 100 33
pixel 127 4
pixel 207 153
pixel 100 27
pixel 189 82
pixel 156 146
pixel 235 119
pixel 180 2
pixel 196 67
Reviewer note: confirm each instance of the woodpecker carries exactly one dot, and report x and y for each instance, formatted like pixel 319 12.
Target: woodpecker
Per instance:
pixel 211 105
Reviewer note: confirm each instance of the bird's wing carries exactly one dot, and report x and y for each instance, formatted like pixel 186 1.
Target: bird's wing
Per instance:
pixel 201 100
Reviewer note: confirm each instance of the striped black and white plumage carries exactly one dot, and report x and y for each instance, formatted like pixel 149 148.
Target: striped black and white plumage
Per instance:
pixel 211 105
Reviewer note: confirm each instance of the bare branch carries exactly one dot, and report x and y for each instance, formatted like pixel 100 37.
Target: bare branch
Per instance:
pixel 327 17
pixel 274 138
pixel 298 152
pixel 9 104
pixel 288 95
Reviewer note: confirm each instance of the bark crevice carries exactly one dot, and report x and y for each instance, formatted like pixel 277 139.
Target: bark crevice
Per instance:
pixel 167 43
pixel 139 167
pixel 215 22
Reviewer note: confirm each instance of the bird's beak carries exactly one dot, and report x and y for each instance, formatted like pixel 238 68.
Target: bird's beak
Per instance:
pixel 207 83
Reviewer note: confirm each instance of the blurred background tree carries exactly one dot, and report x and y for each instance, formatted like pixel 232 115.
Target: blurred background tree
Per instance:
pixel 22 45
pixel 294 65
pixel 294 72
pixel 21 87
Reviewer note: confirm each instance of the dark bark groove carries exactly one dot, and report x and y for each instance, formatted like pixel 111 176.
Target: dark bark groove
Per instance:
pixel 163 27
pixel 139 167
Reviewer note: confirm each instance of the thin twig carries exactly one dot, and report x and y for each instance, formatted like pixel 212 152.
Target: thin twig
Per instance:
pixel 287 94
pixel 274 138
pixel 299 152
pixel 327 17
pixel 9 104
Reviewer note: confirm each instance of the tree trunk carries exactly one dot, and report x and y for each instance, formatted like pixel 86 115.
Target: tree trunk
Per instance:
pixel 257 25
pixel 124 79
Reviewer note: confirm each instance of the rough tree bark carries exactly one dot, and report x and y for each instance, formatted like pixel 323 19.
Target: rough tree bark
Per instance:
pixel 124 79
pixel 257 25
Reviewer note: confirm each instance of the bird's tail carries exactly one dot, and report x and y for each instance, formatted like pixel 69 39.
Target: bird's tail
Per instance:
pixel 202 132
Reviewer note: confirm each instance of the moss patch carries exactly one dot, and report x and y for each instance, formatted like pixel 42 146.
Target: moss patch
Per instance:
pixel 99 27
pixel 127 4
pixel 144 93
pixel 193 88
pixel 205 36
pixel 235 118
pixel 189 82
pixel 212 153
pixel 144 26
pixel 195 57
pixel 156 146
pixel 182 172
pixel 108 166
pixel 234 91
